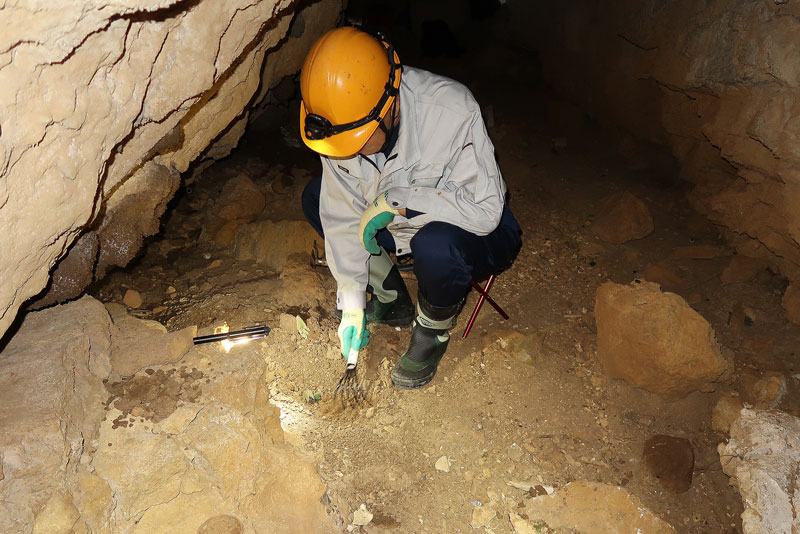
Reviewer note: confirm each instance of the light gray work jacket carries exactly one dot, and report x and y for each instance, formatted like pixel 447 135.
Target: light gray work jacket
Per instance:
pixel 442 165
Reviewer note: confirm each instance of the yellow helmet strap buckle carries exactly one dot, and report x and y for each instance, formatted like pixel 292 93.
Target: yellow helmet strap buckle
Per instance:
pixel 318 127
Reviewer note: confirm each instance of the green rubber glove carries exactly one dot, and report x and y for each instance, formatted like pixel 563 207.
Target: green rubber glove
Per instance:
pixel 377 216
pixel 353 334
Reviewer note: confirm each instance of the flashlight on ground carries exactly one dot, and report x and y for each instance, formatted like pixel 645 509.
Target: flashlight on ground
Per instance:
pixel 235 337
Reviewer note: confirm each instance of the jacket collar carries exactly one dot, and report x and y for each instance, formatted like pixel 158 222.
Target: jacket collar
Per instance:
pixel 407 146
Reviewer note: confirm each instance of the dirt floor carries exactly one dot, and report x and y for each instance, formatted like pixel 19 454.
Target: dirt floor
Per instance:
pixel 522 400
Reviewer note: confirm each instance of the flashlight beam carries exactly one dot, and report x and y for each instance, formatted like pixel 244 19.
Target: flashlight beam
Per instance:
pixel 245 334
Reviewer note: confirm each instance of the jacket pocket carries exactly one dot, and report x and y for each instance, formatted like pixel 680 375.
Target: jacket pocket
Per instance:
pixel 426 176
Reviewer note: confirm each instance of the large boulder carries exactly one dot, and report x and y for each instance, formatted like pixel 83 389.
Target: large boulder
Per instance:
pixel 622 217
pixel 655 340
pixel 762 459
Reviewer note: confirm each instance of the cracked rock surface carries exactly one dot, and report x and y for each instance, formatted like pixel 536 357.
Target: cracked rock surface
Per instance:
pixel 97 100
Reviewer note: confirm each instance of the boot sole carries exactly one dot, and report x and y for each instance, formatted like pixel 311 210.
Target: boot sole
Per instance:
pixel 411 383
pixel 402 322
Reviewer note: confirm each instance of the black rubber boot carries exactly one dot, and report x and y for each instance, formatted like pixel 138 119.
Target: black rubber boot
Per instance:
pixel 391 303
pixel 397 312
pixel 428 344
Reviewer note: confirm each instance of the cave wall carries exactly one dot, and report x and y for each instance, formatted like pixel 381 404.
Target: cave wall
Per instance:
pixel 104 104
pixel 715 81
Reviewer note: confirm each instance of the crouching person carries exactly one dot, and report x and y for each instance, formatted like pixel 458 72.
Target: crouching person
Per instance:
pixel 407 167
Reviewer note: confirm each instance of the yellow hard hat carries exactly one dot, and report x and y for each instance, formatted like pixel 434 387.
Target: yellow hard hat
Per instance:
pixel 349 81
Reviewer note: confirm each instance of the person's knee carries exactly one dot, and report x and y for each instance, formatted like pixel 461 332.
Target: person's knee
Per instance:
pixel 437 243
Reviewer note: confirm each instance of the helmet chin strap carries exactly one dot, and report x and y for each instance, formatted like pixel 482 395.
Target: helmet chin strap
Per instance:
pixel 389 132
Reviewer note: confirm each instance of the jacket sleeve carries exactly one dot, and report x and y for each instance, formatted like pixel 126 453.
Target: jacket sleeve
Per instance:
pixel 340 207
pixel 471 192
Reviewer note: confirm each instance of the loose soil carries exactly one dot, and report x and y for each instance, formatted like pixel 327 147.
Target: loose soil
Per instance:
pixel 522 400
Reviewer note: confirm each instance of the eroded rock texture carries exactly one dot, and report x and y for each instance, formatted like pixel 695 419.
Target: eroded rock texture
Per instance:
pixel 103 105
pixel 762 459
pixel 180 447
pixel 716 82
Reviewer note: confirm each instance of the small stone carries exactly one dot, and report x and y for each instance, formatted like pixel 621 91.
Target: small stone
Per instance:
pixel 288 323
pixel 520 525
pixel 763 390
pixel 171 290
pixel 481 516
pixel 132 299
pixel 622 217
pixel 301 326
pixel 443 464
pixel 515 452
pixel 159 309
pixel 725 412
pixel 370 412
pixel 214 264
pixel 362 516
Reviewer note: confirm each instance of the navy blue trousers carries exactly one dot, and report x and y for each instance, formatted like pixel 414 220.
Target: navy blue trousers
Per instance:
pixel 446 257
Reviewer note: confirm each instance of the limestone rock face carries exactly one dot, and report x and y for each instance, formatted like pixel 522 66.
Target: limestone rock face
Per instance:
pixel 177 448
pixel 762 458
pixel 717 84
pixel 102 107
pixel 655 341
pixel 52 400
